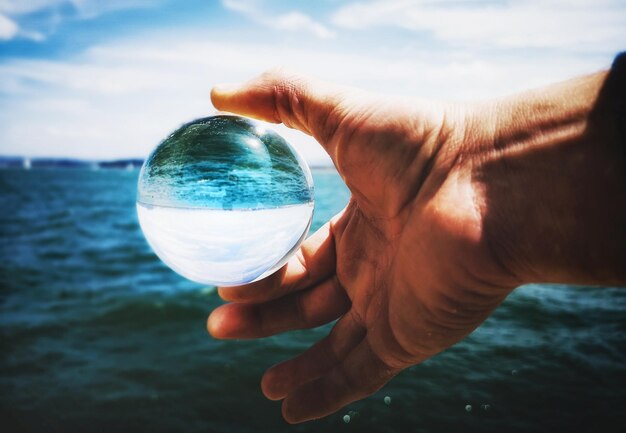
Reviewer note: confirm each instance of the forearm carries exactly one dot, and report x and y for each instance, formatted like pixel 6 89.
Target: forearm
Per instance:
pixel 554 184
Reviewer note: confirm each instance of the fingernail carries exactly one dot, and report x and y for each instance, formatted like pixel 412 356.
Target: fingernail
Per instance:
pixel 214 323
pixel 287 412
pixel 272 385
pixel 226 293
pixel 225 87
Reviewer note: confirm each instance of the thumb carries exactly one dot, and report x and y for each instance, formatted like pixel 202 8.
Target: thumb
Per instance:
pixel 311 106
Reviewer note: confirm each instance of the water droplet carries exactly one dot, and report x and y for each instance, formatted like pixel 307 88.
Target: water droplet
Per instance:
pixel 223 201
pixel 468 408
pixel 387 400
pixel 346 419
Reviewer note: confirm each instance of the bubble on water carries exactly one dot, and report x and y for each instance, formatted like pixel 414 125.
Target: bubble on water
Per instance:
pixel 485 407
pixel 514 372
pixel 224 201
pixel 468 408
pixel 387 400
pixel 346 419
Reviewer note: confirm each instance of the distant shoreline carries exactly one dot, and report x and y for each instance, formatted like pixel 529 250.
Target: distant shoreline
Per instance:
pixel 28 163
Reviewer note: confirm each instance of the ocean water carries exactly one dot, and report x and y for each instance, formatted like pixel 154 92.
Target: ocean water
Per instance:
pixel 98 335
pixel 224 247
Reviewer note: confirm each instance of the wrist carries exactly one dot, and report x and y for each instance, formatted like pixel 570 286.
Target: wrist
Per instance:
pixel 553 184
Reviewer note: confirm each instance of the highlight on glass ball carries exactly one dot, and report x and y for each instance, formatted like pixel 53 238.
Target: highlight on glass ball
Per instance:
pixel 224 200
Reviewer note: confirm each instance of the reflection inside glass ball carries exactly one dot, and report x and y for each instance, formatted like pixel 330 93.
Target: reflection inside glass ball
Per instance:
pixel 224 201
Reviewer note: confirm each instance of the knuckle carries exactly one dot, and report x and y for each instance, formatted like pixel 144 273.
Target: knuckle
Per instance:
pixel 281 79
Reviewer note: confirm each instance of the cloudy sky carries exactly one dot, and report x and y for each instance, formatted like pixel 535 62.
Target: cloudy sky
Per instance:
pixel 111 78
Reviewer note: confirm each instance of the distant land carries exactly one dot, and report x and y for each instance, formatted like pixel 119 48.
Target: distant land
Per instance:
pixel 28 163
pixel 22 162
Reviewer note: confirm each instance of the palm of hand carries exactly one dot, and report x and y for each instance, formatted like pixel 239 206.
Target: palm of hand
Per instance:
pixel 393 266
pixel 403 242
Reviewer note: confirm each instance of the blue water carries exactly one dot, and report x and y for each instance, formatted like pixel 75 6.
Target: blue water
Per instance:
pixel 97 335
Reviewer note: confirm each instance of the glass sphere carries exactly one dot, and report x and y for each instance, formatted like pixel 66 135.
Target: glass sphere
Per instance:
pixel 224 201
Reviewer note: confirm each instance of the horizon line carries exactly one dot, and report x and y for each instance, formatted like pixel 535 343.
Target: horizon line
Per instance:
pixel 24 160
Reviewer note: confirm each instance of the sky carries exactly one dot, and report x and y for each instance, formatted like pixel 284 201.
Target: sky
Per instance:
pixel 106 79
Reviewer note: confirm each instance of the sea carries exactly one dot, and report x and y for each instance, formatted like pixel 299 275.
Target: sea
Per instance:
pixel 98 335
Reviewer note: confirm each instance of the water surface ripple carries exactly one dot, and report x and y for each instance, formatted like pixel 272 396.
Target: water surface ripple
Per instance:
pixel 98 335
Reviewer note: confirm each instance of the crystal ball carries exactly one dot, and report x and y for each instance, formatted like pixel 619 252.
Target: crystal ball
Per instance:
pixel 224 201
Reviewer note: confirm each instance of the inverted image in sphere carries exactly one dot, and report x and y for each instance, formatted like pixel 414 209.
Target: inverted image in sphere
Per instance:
pixel 224 201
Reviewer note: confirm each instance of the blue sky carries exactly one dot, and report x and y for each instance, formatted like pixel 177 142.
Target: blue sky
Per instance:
pixel 111 78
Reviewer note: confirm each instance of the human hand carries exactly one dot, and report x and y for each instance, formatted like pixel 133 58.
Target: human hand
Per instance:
pixel 411 266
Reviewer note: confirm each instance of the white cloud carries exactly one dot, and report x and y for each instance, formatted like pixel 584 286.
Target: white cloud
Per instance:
pixel 88 9
pixel 20 7
pixel 84 8
pixel 8 28
pixel 294 21
pixel 246 7
pixel 290 21
pixel 32 35
pixel 12 13
pixel 121 98
pixel 564 24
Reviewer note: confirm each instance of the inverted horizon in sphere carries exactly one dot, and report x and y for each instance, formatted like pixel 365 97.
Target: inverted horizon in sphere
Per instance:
pixel 224 201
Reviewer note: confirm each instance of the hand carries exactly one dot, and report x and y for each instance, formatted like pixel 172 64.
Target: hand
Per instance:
pixel 403 266
pixel 414 262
